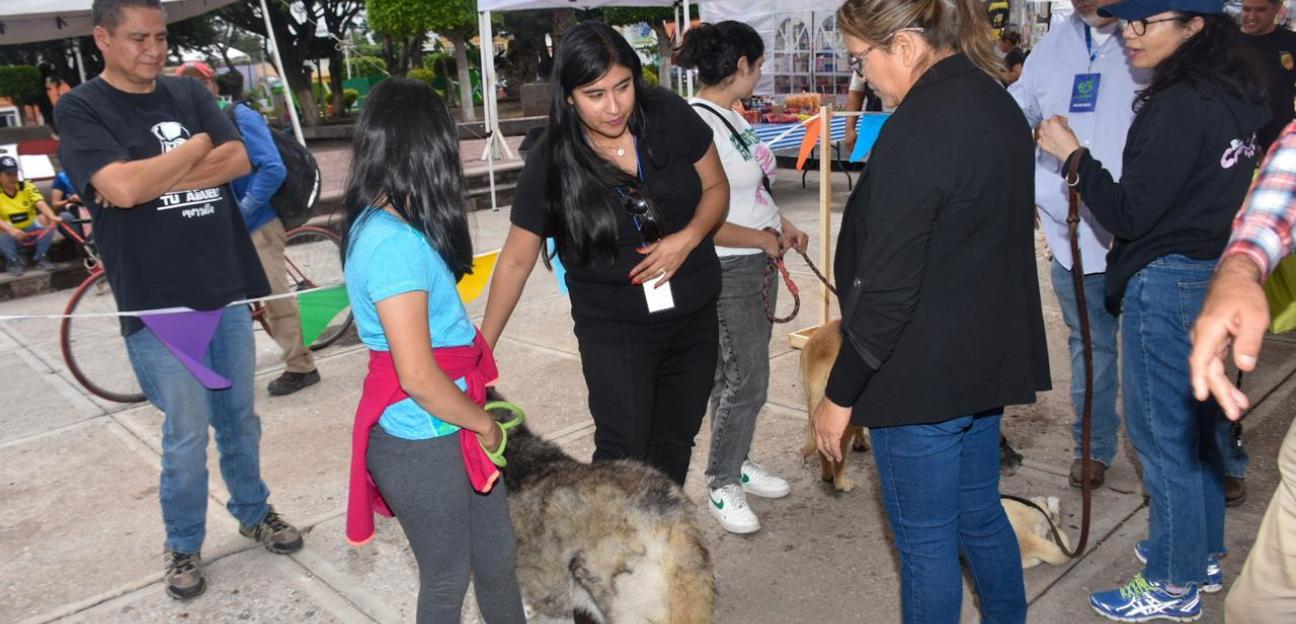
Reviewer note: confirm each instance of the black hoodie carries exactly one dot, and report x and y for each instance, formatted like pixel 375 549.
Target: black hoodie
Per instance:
pixel 1189 158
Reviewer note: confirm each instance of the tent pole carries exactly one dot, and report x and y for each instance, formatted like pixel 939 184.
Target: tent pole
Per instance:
pixel 678 83
pixel 687 21
pixel 278 63
pixel 487 48
pixel 80 61
pixel 825 201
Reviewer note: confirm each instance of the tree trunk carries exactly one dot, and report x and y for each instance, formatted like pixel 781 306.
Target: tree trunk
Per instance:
pixel 465 78
pixel 337 74
pixel 664 50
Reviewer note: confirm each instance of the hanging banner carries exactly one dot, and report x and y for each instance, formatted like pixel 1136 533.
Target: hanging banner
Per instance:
pixel 319 308
pixel 472 285
pixel 188 335
pixel 870 125
pixel 808 142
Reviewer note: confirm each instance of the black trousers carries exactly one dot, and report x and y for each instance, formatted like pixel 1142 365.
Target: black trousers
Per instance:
pixel 648 391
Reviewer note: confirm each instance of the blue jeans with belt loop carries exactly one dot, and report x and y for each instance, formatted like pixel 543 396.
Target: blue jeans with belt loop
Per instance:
pixel 1174 434
pixel 940 486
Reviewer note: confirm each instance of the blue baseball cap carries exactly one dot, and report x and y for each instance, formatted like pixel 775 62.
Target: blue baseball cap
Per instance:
pixel 1142 9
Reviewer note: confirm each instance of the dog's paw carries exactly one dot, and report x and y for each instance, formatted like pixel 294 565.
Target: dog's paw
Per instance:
pixel 844 484
pixel 860 444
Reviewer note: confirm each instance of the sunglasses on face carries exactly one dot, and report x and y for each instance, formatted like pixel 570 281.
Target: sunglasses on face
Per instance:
pixel 642 213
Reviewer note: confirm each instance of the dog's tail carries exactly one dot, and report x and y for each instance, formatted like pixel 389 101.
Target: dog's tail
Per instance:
pixel 691 577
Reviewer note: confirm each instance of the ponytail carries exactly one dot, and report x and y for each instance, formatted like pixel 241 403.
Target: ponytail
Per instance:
pixel 959 26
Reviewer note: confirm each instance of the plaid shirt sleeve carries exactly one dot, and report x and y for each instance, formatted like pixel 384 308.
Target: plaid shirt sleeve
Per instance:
pixel 1262 230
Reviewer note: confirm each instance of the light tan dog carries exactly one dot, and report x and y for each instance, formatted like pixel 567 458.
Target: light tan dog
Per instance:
pixel 1032 529
pixel 817 357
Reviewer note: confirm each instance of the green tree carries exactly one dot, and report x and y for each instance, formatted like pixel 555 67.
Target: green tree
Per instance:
pixel 411 20
pixel 656 19
pixel 22 84
pixel 306 30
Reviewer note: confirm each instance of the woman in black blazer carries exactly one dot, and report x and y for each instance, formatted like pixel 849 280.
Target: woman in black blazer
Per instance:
pixel 940 301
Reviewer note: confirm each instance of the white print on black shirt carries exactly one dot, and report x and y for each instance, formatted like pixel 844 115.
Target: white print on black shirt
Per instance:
pixel 195 203
pixel 171 134
pixel 1239 149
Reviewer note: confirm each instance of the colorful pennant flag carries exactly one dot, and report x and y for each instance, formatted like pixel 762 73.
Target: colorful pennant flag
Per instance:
pixel 870 125
pixel 319 308
pixel 472 285
pixel 808 142
pixel 188 335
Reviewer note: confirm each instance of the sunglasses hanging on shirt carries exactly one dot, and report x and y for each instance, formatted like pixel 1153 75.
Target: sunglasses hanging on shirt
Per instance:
pixel 643 213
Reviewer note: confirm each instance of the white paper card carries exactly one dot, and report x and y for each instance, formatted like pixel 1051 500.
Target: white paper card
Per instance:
pixel 658 298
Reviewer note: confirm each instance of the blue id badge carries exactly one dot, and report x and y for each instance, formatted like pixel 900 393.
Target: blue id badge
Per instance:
pixel 1084 93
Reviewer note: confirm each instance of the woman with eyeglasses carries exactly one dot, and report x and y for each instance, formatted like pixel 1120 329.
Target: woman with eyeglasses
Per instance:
pixel 627 183
pixel 728 57
pixel 1189 159
pixel 941 318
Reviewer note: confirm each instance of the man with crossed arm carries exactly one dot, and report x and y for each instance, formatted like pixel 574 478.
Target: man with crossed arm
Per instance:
pixel 153 157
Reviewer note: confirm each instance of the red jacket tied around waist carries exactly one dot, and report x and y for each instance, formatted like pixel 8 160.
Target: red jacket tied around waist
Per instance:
pixel 476 365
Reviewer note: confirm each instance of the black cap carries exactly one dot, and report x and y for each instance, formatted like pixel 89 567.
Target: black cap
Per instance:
pixel 8 164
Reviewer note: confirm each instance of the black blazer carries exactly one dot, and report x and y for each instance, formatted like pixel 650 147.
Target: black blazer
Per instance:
pixel 936 259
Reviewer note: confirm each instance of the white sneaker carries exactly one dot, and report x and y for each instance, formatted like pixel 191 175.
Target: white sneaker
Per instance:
pixel 758 481
pixel 728 505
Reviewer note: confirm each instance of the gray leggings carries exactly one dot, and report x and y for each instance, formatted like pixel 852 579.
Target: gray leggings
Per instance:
pixel 452 530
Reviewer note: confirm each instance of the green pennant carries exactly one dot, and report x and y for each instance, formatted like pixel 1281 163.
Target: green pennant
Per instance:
pixel 319 308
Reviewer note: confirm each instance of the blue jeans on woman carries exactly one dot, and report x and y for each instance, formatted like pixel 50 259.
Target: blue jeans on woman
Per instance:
pixel 9 245
pixel 189 408
pixel 940 486
pixel 1174 434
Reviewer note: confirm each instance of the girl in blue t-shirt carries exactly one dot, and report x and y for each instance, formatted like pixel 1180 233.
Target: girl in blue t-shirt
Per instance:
pixel 405 247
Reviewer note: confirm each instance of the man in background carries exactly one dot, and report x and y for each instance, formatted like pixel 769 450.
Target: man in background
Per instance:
pixel 1276 48
pixel 253 192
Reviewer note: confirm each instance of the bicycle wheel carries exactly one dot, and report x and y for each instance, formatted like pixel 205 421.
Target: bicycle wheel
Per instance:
pixel 94 348
pixel 313 258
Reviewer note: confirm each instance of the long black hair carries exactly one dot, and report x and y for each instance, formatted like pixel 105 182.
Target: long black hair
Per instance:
pixel 714 49
pixel 1217 55
pixel 405 154
pixel 581 198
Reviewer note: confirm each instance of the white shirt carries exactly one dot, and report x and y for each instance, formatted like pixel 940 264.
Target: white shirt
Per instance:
pixel 746 160
pixel 1044 90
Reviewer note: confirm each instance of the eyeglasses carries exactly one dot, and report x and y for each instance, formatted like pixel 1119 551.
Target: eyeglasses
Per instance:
pixel 857 60
pixel 643 213
pixel 1139 26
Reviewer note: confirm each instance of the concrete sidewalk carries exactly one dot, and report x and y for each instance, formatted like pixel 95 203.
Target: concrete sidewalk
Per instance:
pixel 81 534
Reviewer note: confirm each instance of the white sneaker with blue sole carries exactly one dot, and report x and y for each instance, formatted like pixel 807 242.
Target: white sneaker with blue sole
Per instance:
pixel 1214 573
pixel 1142 600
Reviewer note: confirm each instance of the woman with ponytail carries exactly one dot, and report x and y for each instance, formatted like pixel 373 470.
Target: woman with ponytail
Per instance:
pixel 1188 162
pixel 941 319
pixel 627 183
pixel 728 58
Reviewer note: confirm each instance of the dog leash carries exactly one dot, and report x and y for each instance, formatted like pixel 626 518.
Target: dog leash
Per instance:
pixel 497 456
pixel 1086 338
pixel 777 265
pixel 1053 530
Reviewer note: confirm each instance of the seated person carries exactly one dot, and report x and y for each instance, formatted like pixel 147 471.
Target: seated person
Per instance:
pixel 19 222
pixel 68 205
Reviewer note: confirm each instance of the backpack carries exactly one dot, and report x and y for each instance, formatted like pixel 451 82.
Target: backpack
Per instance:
pixel 294 202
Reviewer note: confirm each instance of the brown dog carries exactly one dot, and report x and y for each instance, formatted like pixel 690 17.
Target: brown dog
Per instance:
pixel 817 357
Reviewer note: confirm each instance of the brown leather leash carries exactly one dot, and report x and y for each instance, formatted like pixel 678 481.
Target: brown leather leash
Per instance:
pixel 776 265
pixel 1086 338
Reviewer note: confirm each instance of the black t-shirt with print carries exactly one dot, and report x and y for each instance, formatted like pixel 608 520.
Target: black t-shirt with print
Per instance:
pixel 1277 54
pixel 189 248
pixel 672 140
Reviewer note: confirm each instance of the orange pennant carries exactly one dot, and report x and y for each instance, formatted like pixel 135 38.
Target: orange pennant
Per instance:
pixel 808 142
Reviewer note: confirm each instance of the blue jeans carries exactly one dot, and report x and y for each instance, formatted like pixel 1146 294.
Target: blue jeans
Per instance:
pixel 940 485
pixel 189 409
pixel 1174 434
pixel 9 245
pixel 1102 331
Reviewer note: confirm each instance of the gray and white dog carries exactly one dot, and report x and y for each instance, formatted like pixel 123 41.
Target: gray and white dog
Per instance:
pixel 612 543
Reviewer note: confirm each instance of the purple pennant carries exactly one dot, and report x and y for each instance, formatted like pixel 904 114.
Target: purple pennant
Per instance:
pixel 187 335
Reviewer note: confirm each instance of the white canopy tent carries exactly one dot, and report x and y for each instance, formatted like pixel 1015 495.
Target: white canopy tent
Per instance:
pixel 30 21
